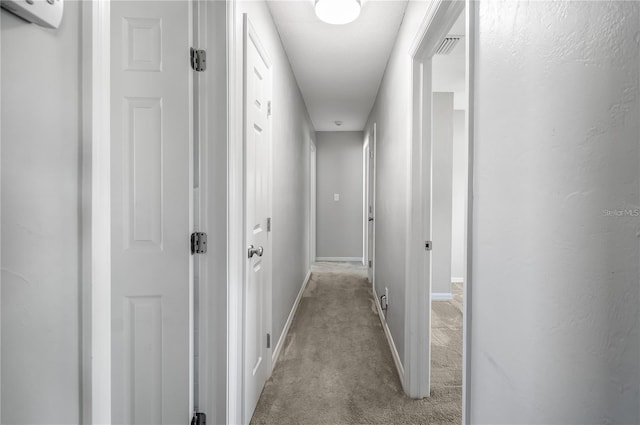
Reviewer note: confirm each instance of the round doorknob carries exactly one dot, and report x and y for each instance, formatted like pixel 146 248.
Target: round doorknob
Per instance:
pixel 255 251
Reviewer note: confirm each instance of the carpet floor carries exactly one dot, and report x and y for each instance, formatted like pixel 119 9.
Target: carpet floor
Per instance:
pixel 336 366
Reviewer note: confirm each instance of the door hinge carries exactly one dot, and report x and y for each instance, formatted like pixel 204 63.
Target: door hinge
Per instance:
pixel 268 340
pixel 198 60
pixel 198 243
pixel 428 245
pixel 370 263
pixel 268 224
pixel 371 154
pixel 199 418
pixel 269 108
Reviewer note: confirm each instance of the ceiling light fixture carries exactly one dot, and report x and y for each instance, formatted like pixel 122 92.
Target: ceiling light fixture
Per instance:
pixel 337 12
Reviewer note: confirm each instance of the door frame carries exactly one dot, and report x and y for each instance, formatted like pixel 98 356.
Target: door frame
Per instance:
pixel 250 35
pixel 438 19
pixel 369 167
pixel 472 18
pixel 235 217
pixel 313 177
pixel 96 216
pixel 365 201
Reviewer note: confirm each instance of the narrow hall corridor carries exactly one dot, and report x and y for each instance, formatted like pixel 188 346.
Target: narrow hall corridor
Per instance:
pixel 336 366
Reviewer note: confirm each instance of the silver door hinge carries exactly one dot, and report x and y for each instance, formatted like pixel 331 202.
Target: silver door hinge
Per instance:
pixel 198 60
pixel 428 245
pixel 268 224
pixel 371 154
pixel 269 108
pixel 268 340
pixel 199 418
pixel 198 243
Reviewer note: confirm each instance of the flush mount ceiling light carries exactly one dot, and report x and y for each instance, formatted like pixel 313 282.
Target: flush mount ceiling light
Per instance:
pixel 337 12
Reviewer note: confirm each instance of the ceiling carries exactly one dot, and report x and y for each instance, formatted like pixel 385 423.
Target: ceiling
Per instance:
pixel 338 67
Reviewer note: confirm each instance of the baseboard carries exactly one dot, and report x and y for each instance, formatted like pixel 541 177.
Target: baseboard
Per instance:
pixel 387 332
pixel 342 259
pixel 441 296
pixel 287 325
pixel 457 280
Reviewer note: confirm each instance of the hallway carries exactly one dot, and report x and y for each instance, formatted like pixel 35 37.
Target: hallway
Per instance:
pixel 336 366
pixel 140 284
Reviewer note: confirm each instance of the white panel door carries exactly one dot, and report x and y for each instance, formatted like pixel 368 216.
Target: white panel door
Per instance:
pixel 257 127
pixel 151 136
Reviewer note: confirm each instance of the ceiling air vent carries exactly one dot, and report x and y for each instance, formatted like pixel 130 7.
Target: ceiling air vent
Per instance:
pixel 448 44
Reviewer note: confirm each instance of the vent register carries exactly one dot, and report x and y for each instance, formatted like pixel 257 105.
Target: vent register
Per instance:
pixel 448 44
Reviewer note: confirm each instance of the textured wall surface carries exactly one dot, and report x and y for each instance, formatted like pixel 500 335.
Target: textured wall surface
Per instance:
pixel 339 161
pixel 556 226
pixel 41 221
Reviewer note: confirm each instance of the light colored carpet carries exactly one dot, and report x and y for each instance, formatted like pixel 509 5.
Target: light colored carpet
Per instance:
pixel 336 366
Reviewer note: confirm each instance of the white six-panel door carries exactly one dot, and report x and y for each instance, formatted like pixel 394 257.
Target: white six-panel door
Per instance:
pixel 257 128
pixel 151 140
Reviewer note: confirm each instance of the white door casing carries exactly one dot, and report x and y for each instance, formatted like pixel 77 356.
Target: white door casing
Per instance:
pixel 313 201
pixel 437 21
pixel 371 203
pixel 257 139
pixel 151 165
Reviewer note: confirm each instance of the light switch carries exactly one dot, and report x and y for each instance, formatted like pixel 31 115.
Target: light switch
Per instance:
pixel 336 197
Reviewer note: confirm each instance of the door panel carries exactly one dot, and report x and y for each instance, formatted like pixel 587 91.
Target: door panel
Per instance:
pixel 151 138
pixel 257 161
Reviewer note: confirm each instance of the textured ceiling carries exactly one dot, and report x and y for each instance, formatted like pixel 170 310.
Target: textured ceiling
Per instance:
pixel 338 67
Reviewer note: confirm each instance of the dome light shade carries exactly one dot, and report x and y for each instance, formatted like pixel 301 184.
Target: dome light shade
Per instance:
pixel 337 12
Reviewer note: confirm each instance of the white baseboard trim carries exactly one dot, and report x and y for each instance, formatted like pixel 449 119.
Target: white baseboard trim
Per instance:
pixel 343 259
pixel 441 296
pixel 287 325
pixel 392 345
pixel 457 280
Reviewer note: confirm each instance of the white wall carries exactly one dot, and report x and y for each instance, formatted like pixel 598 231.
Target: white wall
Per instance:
pixel 441 178
pixel 339 161
pixel 556 280
pixel 459 198
pixel 291 130
pixel 392 112
pixel 40 221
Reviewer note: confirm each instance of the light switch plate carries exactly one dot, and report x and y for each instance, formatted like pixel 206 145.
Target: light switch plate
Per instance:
pixel 336 196
pixel 46 13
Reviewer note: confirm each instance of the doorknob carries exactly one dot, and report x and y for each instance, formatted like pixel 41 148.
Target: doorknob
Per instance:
pixel 255 251
pixel 370 218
